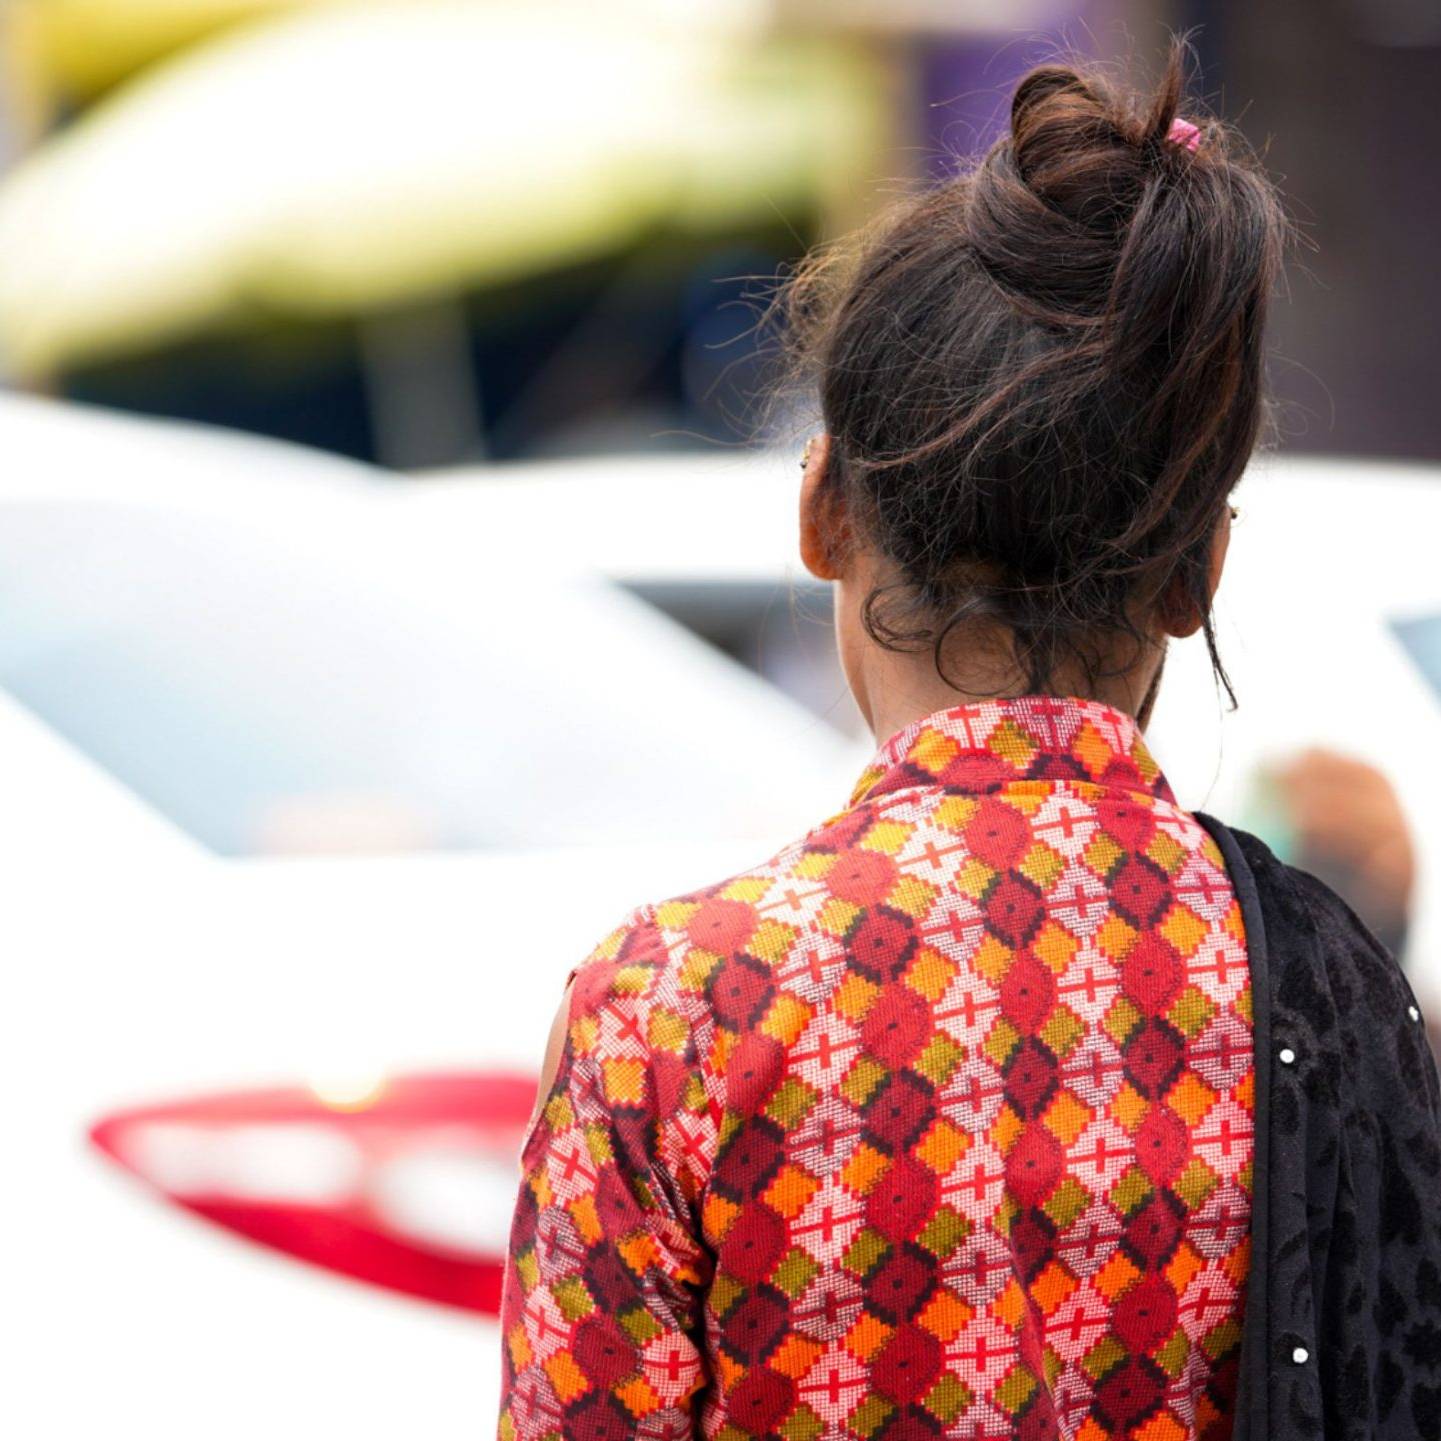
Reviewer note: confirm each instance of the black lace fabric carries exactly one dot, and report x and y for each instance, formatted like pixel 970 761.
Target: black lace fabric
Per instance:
pixel 1343 1324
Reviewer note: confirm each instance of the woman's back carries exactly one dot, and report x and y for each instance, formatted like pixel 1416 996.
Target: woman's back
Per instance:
pixel 938 1123
pixel 1002 1105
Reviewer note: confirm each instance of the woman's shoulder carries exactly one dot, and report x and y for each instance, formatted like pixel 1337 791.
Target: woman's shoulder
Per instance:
pixel 735 934
pixel 670 947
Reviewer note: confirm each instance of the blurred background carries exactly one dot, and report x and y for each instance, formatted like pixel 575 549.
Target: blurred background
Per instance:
pixel 396 536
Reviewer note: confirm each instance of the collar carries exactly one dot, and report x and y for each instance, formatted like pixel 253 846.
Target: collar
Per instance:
pixel 982 747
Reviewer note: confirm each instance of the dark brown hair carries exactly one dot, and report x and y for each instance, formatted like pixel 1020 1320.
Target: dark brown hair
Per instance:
pixel 1043 378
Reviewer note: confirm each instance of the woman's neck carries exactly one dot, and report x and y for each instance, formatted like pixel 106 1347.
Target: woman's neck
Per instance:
pixel 894 690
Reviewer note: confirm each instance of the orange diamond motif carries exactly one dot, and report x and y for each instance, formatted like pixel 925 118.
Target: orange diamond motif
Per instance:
pixel 1119 1274
pixel 1052 1287
pixel 1184 929
pixel 933 752
pixel 945 1315
pixel 943 1145
pixel 867 1337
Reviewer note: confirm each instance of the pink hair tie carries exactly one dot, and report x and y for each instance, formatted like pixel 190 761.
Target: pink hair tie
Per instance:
pixel 1182 132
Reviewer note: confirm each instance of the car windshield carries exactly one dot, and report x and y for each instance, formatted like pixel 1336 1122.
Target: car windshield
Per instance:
pixel 1422 639
pixel 270 692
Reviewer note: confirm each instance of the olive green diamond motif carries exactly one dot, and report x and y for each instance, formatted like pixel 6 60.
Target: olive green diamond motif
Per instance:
pixel 1221 1340
pixel 948 1398
pixel 945 1231
pixel 1002 1040
pixel 724 1291
pixel 640 1325
pixel 940 1057
pixel 1171 1358
pixel 863 1253
pixel 802 1424
pixel 1121 1020
pixel 1131 1192
pixel 1191 1011
pixel 862 1079
pixel 1195 1183
pixel 795 1271
pixel 1103 1357
pixel 1067 1202
pixel 1016 1388
pixel 869 1416
pixel 572 1298
pixel 1062 1030
pixel 790 1103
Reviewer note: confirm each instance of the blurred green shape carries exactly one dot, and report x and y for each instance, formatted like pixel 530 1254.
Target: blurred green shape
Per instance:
pixel 344 159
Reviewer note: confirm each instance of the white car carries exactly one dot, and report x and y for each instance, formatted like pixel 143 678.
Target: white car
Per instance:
pixel 226 667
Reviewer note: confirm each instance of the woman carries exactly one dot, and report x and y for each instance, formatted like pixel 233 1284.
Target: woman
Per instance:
pixel 1013 1100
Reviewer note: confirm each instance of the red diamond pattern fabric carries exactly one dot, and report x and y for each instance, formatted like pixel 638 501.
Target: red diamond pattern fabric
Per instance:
pixel 938 1124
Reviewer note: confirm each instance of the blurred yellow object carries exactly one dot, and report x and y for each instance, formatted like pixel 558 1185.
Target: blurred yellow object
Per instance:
pixel 926 17
pixel 343 159
pixel 65 52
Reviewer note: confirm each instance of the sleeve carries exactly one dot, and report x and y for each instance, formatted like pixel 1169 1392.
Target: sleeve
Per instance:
pixel 606 1271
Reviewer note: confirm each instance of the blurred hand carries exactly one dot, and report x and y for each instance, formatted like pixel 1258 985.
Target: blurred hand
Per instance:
pixel 1351 831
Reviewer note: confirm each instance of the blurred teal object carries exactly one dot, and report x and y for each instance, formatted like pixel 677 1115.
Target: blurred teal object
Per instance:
pixel 1265 814
pixel 1422 639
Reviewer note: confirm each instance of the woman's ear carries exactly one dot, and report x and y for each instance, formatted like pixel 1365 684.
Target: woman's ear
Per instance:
pixel 1179 615
pixel 1220 546
pixel 822 514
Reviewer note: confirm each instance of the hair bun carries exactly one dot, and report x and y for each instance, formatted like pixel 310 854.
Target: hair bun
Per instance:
pixel 1083 149
pixel 1084 182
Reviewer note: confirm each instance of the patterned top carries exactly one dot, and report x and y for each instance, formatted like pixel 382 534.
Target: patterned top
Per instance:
pixel 936 1124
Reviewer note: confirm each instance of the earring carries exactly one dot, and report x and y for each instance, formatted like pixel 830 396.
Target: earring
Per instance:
pixel 806 454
